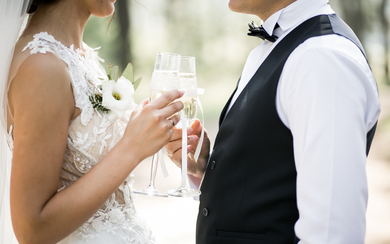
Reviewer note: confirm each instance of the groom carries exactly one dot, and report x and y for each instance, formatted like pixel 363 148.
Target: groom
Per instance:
pixel 288 164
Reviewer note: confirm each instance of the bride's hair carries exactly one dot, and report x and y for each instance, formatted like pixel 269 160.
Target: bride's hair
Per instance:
pixel 36 3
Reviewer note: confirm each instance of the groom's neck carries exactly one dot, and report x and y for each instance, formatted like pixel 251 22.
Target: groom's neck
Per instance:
pixel 262 8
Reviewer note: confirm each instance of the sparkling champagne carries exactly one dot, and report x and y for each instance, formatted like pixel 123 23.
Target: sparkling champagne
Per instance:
pixel 188 84
pixel 162 82
pixel 189 109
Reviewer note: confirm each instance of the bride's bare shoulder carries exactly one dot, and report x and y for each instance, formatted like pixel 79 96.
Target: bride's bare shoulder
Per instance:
pixel 41 70
pixel 41 63
pixel 43 75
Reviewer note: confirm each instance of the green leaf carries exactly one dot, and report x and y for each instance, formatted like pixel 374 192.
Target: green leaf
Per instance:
pixel 128 73
pixel 109 72
pixel 114 73
pixel 136 83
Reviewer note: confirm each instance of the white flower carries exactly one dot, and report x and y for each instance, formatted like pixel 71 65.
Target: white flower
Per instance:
pixel 118 97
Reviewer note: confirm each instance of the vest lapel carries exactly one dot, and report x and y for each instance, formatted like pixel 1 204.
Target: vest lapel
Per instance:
pixel 224 110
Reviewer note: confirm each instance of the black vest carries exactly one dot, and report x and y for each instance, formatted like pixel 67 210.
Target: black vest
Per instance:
pixel 249 189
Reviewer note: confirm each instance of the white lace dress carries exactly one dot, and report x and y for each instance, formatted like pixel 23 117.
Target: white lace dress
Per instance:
pixel 90 137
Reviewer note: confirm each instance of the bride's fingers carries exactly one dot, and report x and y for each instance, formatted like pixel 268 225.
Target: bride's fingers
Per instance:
pixel 174 120
pixel 143 103
pixel 166 99
pixel 140 106
pixel 171 109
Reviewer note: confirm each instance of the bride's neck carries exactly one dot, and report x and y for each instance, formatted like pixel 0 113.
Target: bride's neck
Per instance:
pixel 65 21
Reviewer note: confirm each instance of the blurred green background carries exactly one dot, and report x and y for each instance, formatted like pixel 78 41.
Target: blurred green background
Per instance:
pixel 217 38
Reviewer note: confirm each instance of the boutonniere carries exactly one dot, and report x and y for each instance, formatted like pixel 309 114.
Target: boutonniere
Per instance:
pixel 115 95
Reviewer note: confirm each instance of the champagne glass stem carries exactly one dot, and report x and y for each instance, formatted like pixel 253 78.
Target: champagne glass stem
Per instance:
pixel 151 189
pixel 153 172
pixel 183 151
pixel 184 190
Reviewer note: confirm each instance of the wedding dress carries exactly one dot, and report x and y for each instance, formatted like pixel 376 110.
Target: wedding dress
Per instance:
pixel 90 137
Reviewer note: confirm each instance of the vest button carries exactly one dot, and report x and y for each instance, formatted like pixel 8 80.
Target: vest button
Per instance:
pixel 205 212
pixel 213 163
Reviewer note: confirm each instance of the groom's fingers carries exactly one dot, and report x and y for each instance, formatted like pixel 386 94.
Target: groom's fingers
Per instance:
pixel 175 157
pixel 176 143
pixel 177 133
pixel 197 127
pixel 173 146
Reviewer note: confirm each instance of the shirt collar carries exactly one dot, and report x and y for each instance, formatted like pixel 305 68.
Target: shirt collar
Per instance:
pixel 293 14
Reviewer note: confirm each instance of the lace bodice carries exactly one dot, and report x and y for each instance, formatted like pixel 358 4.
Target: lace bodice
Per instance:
pixel 90 137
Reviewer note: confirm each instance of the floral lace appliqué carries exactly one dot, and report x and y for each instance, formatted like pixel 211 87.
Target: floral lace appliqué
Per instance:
pixel 115 217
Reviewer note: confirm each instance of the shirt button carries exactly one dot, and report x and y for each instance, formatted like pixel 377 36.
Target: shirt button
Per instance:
pixel 213 163
pixel 205 212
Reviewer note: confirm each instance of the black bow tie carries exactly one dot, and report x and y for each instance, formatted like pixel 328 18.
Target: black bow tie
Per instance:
pixel 260 32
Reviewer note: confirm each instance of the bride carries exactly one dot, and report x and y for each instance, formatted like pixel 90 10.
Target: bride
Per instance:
pixel 70 180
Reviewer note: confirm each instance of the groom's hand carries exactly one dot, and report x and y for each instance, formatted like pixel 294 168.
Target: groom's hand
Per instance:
pixel 174 149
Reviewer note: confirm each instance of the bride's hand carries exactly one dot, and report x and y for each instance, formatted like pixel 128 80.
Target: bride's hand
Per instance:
pixel 151 124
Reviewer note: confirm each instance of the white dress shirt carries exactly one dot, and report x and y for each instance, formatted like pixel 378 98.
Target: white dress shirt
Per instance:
pixel 328 98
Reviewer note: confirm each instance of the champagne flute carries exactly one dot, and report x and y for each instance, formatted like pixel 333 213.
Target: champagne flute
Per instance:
pixel 188 84
pixel 165 78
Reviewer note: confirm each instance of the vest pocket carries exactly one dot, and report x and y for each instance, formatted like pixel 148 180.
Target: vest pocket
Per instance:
pixel 240 235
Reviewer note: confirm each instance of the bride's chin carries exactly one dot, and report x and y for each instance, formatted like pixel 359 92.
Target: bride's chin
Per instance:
pixel 105 12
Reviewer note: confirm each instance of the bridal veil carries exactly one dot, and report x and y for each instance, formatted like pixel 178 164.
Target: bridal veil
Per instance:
pixel 12 17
